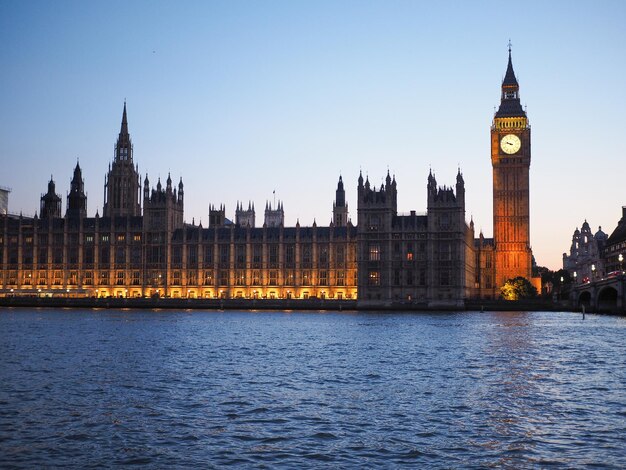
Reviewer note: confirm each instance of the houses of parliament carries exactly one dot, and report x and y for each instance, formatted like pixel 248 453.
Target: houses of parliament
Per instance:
pixel 141 246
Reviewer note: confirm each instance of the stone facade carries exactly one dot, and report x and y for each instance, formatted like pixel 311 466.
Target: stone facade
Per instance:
pixel 430 259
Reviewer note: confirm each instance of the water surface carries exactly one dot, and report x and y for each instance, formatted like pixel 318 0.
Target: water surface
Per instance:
pixel 99 388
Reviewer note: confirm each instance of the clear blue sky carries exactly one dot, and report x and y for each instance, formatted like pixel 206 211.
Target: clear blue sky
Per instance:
pixel 244 98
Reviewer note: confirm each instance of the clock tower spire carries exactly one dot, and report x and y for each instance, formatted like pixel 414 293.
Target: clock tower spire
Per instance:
pixel 510 160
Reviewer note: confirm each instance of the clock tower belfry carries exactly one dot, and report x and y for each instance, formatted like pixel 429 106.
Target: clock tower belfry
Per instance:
pixel 510 159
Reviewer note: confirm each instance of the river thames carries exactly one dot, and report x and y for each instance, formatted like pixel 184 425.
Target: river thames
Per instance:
pixel 101 388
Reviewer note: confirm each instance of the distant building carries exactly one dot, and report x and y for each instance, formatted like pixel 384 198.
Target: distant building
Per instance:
pixel 615 246
pixel 585 261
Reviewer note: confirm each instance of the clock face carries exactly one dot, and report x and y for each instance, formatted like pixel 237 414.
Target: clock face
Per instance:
pixel 510 143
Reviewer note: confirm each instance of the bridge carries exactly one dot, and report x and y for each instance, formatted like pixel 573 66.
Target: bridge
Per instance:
pixel 601 295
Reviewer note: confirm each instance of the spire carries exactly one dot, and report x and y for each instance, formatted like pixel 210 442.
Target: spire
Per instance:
pixel 124 129
pixel 509 76
pixel 510 102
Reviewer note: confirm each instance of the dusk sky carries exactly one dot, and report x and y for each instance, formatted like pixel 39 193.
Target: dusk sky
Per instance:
pixel 244 98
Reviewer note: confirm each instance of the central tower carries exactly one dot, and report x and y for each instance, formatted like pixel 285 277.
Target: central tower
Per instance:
pixel 121 186
pixel 510 159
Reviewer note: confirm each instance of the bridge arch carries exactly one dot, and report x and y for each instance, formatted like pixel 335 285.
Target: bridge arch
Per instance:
pixel 607 299
pixel 584 299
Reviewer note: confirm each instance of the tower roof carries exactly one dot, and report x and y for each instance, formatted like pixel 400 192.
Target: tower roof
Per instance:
pixel 510 105
pixel 509 77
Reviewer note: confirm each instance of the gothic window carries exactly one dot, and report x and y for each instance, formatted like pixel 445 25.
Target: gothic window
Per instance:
pixel 104 278
pixel 409 278
pixel 273 277
pixel 341 278
pixel 445 278
pixel 273 248
pixel 306 277
pixel 290 278
pixel 120 256
pixel 289 255
pixel 208 254
pixel 88 281
pixel 306 256
pixel 257 255
pixel 119 279
pixel 176 278
pixel 256 278
pixel 323 278
pixel 104 256
pixel 240 256
pixel 323 254
pixel 208 277
pixel 374 253
pixel 136 278
pixel 240 277
pixel 135 255
pixel 224 249
pixel 396 277
pixel 340 255
pixel 57 255
pixel 223 277
pixel 374 278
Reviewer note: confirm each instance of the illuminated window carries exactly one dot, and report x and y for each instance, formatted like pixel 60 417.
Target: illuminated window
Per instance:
pixel 374 252
pixel 374 278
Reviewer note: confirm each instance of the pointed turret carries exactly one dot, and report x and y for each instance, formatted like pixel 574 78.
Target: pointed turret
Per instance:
pixel 76 199
pixel 50 206
pixel 510 102
pixel 340 208
pixel 123 185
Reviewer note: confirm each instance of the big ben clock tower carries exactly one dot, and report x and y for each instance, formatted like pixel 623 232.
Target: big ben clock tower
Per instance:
pixel 510 159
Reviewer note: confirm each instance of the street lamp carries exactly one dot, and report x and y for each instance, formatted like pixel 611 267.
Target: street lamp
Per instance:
pixel 620 258
pixel 593 272
pixel 575 275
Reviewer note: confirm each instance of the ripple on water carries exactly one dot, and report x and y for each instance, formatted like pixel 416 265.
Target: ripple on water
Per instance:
pixel 167 389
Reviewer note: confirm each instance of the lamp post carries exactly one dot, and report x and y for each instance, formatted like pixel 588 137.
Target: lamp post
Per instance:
pixel 575 276
pixel 593 272
pixel 620 258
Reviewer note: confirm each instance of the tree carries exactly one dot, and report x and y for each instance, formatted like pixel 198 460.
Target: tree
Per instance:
pixel 518 288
